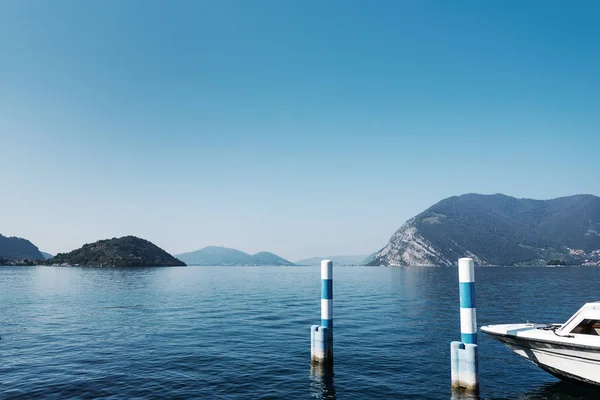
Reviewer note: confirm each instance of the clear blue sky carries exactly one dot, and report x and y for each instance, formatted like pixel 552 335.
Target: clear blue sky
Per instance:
pixel 300 127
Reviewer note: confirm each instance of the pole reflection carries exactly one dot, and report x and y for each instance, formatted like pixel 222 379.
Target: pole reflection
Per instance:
pixel 321 381
pixel 461 394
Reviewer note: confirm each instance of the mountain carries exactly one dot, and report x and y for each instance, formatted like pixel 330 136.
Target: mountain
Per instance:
pixel 17 249
pixel 337 260
pixel 498 230
pixel 46 255
pixel 126 251
pixel 266 258
pixel 214 255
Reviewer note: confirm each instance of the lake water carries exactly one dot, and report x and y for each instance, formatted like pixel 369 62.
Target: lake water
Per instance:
pixel 244 332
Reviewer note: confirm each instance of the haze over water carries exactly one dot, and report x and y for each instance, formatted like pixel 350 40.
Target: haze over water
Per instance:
pixel 243 332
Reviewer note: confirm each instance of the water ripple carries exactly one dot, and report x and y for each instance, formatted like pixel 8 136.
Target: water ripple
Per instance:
pixel 239 333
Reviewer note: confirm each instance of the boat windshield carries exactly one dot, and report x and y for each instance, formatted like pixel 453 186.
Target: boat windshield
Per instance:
pixel 588 327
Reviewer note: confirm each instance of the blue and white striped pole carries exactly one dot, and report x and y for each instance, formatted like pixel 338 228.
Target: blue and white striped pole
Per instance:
pixel 327 295
pixel 468 317
pixel 463 355
pixel 322 336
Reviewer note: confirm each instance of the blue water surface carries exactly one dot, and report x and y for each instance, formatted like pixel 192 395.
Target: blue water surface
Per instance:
pixel 244 332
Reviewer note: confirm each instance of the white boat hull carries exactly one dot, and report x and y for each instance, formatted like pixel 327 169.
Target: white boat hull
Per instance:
pixel 564 360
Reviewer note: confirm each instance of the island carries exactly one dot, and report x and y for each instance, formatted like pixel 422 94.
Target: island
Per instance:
pixel 126 251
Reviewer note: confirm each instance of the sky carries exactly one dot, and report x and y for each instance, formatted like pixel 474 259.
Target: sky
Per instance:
pixel 301 127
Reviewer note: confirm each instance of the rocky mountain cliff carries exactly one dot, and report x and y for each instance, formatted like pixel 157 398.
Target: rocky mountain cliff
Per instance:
pixel 127 251
pixel 498 230
pixel 214 255
pixel 18 249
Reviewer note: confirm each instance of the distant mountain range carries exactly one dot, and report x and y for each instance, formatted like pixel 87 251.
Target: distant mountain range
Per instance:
pixel 361 259
pixel 498 230
pixel 46 255
pixel 214 255
pixel 126 251
pixel 17 249
pixel 492 229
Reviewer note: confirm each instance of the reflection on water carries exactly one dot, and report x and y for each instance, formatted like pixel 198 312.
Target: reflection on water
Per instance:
pixel 561 390
pixel 321 381
pixel 461 394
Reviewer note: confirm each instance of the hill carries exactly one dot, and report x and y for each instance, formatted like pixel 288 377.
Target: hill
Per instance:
pixel 214 255
pixel 127 251
pixel 18 249
pixel 266 258
pixel 46 255
pixel 337 260
pixel 498 230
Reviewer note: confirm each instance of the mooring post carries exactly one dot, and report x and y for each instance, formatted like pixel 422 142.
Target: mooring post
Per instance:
pixel 322 336
pixel 463 354
pixel 327 302
pixel 321 351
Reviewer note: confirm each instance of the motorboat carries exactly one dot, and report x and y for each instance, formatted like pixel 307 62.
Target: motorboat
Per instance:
pixel 568 351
